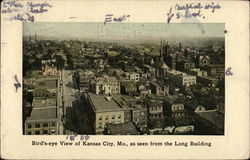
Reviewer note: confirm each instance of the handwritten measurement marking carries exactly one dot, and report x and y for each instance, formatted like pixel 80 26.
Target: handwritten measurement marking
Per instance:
pixel 73 137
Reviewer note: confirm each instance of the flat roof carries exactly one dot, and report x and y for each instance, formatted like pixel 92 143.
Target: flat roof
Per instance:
pixel 43 103
pixel 101 104
pixel 47 83
pixel 45 114
pixel 122 129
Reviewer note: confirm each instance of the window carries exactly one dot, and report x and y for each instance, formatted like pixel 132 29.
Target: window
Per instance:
pixel 45 131
pixel 119 116
pixel 29 133
pixel 37 132
pixel 53 124
pixel 113 116
pixel 37 125
pixel 100 118
pixel 99 125
pixel 45 125
pixel 29 125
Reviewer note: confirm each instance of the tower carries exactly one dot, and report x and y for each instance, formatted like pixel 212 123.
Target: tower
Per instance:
pixel 180 47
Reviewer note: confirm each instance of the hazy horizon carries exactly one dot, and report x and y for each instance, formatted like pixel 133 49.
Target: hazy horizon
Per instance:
pixel 122 31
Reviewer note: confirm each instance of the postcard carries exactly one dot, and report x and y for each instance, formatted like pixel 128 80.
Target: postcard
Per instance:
pixel 124 79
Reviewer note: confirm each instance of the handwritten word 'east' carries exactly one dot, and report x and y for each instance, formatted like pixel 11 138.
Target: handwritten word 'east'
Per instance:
pixel 110 18
pixel 190 10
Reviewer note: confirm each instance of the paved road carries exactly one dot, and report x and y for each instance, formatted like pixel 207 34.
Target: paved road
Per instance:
pixel 70 102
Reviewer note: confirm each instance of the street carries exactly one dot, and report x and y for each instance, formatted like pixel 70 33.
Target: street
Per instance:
pixel 70 102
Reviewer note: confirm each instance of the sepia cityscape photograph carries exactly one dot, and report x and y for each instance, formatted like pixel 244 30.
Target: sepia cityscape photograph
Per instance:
pixel 123 78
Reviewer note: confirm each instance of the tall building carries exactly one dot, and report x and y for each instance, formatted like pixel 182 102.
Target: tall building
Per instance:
pixel 43 119
pixel 104 110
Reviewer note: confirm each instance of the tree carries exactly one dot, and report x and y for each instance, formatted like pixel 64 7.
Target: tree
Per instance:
pixel 59 62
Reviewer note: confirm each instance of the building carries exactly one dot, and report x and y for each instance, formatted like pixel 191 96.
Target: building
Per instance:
pixel 207 80
pixel 49 71
pixel 158 89
pixel 121 129
pixel 151 71
pixel 209 122
pixel 173 108
pixel 182 78
pixel 203 60
pixel 48 68
pixel 139 116
pixel 145 92
pixel 106 85
pixel 85 79
pixel 134 76
pixel 198 72
pixel 128 88
pixel 104 110
pixel 43 118
pixel 184 65
pixel 163 70
pixel 155 109
pixel 46 88
pixel 133 111
pixel 215 70
pixel 115 85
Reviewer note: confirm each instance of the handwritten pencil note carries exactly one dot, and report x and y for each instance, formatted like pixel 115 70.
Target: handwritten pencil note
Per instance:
pixel 24 11
pixel 190 10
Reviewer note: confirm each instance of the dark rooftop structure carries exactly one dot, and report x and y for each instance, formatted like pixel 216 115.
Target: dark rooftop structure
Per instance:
pixel 213 116
pixel 47 83
pixel 122 129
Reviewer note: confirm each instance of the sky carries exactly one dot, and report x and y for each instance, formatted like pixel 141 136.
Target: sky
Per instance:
pixel 121 31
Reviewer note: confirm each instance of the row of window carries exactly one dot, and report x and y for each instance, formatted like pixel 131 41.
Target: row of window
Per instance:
pixel 112 117
pixel 189 79
pixel 41 132
pixel 156 116
pixel 138 113
pixel 178 107
pixel 177 114
pixel 188 83
pixel 44 95
pixel 38 125
pixel 100 124
pixel 156 108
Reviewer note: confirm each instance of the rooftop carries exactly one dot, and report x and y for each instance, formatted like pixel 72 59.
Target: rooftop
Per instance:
pixel 122 129
pixel 45 114
pixel 101 104
pixel 112 79
pixel 46 83
pixel 213 116
pixel 43 103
